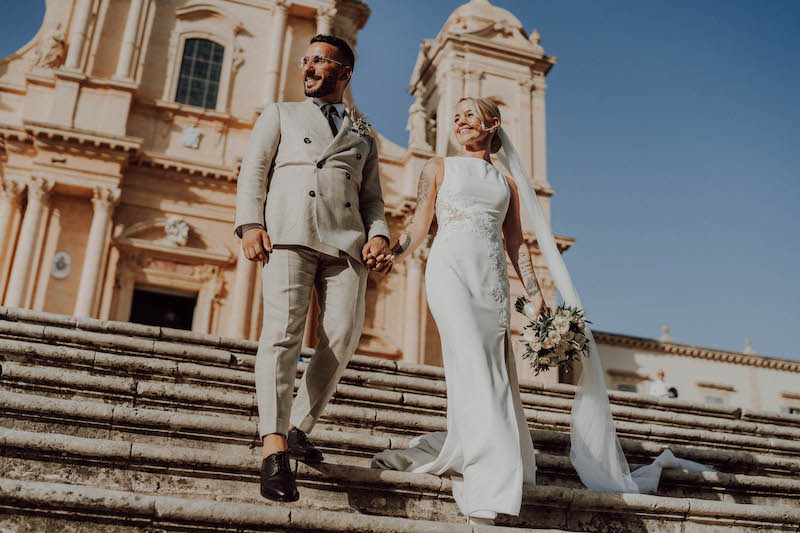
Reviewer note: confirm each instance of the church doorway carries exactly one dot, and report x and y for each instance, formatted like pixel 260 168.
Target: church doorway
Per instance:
pixel 160 306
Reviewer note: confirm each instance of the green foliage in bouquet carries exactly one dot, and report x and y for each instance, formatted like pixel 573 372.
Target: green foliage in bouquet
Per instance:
pixel 554 338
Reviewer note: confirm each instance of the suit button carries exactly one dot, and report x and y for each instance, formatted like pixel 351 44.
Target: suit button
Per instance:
pixel 358 156
pixel 347 204
pixel 320 164
pixel 307 140
pixel 312 194
pixel 348 175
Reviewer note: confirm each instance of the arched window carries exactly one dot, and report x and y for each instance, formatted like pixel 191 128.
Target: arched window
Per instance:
pixel 198 82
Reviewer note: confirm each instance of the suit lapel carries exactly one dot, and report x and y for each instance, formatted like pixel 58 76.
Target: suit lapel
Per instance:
pixel 317 123
pixel 345 138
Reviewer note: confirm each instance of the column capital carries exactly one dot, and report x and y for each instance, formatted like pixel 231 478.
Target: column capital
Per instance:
pixel 282 6
pixel 105 198
pixel 11 190
pixel 538 83
pixel 526 84
pixel 327 12
pixel 39 189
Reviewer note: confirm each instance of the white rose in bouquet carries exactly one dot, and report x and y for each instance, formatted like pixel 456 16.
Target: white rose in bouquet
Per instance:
pixel 544 360
pixel 529 336
pixel 561 324
pixel 547 343
pixel 554 336
pixel 536 346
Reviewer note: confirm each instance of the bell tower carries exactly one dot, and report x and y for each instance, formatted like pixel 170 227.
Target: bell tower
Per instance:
pixel 483 51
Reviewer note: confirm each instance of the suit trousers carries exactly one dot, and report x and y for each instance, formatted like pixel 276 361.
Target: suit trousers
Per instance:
pixel 288 279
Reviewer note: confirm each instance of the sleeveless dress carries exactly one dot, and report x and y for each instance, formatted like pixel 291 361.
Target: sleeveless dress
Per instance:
pixel 487 448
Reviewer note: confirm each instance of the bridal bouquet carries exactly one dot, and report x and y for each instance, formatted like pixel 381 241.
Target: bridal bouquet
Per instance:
pixel 554 338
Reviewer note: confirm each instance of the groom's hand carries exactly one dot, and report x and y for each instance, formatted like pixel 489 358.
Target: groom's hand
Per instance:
pixel 377 255
pixel 256 245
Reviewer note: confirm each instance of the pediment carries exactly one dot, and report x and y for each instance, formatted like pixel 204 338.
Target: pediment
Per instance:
pixel 203 10
pixel 172 236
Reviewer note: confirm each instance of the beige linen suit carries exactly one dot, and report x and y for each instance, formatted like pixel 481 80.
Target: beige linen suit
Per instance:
pixel 319 198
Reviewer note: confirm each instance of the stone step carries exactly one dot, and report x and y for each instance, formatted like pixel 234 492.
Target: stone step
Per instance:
pixel 86 418
pixel 190 473
pixel 211 349
pixel 363 389
pixel 66 508
pixel 364 386
pixel 348 409
pixel 22 451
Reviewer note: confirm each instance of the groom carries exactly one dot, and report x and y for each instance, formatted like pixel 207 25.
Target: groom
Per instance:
pixel 309 207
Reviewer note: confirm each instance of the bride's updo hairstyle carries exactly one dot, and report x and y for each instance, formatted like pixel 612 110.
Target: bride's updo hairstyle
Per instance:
pixel 487 110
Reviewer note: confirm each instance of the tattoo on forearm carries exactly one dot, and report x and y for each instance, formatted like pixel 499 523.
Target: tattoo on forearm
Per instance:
pixel 528 277
pixel 422 188
pixel 403 244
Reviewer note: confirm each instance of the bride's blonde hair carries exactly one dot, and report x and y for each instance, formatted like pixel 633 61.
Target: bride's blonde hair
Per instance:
pixel 487 110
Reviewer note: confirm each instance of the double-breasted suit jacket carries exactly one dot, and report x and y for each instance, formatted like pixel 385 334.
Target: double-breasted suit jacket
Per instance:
pixel 308 188
pixel 319 198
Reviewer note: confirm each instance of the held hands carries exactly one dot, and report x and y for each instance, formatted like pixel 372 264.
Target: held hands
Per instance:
pixel 256 245
pixel 377 255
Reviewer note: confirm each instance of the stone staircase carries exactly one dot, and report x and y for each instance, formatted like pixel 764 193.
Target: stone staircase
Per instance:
pixel 119 427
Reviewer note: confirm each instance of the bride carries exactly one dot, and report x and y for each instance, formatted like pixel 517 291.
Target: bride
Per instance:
pixel 487 446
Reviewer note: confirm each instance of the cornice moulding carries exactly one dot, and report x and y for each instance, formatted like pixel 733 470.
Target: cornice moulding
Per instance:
pixel 687 350
pixel 57 133
pixel 194 255
pixel 149 159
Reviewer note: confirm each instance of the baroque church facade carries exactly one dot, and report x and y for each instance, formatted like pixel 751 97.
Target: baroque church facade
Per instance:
pixel 122 127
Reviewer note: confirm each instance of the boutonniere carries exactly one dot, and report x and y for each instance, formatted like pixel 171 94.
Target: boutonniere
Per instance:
pixel 360 124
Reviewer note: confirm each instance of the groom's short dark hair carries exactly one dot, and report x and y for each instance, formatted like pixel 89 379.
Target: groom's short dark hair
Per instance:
pixel 345 54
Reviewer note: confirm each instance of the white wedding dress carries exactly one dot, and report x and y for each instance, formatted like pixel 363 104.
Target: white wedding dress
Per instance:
pixel 487 442
pixel 487 448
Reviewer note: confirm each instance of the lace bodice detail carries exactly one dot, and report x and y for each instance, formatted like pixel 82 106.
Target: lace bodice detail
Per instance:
pixel 475 199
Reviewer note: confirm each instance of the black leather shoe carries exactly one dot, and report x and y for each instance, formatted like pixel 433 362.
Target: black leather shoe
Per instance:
pixel 277 478
pixel 300 449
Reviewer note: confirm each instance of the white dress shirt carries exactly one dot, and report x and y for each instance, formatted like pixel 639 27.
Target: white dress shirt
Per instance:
pixel 339 110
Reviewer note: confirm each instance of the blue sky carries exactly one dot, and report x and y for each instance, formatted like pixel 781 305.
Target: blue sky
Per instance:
pixel 673 147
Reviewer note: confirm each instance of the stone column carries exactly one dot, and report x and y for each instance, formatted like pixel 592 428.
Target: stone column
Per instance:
pixel 539 168
pixel 450 95
pixel 129 39
pixel 325 16
pixel 417 127
pixel 10 201
pixel 77 33
pixel 472 83
pixel 412 314
pixel 526 122
pixel 280 13
pixel 238 325
pixel 10 206
pixel 103 202
pixel 38 195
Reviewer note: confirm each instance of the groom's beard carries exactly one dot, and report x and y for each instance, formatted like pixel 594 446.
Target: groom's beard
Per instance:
pixel 328 86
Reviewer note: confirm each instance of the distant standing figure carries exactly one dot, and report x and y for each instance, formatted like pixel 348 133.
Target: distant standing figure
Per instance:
pixel 658 387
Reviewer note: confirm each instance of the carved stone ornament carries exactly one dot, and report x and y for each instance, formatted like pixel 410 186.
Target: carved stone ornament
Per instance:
pixel 53 51
pixel 238 56
pixel 191 136
pixel 177 230
pixel 62 262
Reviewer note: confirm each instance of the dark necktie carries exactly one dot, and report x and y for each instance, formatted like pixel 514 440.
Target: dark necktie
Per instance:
pixel 329 111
